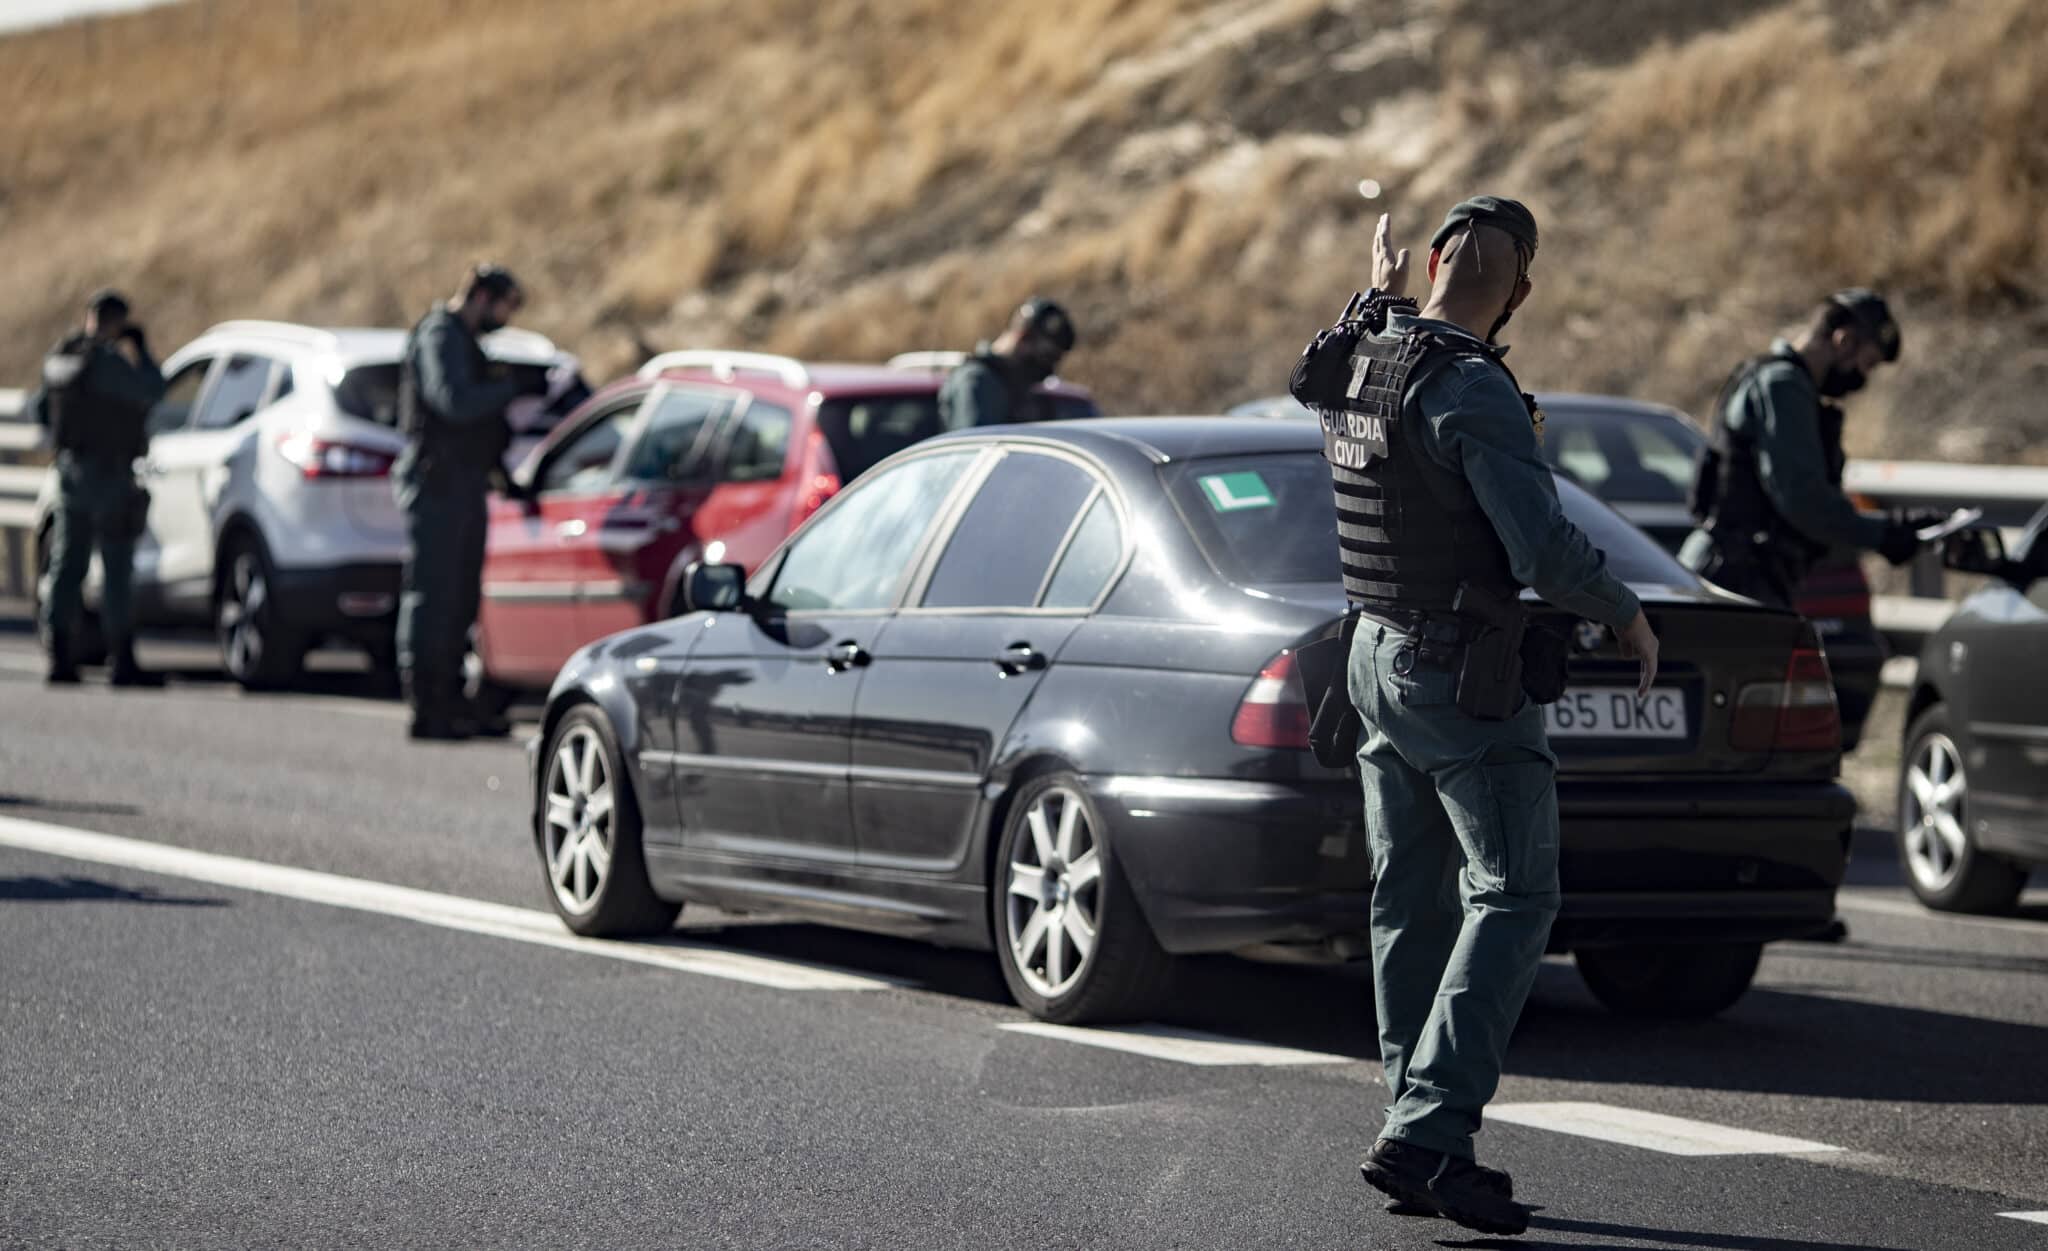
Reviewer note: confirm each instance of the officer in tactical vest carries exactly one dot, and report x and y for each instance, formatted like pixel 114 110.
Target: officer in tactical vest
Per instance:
pixel 1445 511
pixel 97 388
pixel 1768 489
pixel 451 404
pixel 996 385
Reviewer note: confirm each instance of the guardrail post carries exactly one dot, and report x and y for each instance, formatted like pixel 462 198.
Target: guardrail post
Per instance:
pixel 1926 578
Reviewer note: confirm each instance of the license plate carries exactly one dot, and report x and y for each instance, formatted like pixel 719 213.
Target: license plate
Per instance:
pixel 1617 712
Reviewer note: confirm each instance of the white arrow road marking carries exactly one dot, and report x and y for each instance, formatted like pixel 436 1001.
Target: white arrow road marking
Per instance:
pixel 1182 1046
pixel 2033 1218
pixel 475 916
pixel 1652 1131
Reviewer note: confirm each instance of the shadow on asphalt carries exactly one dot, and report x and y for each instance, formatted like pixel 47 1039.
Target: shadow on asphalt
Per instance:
pixel 1674 1239
pixel 69 807
pixel 88 890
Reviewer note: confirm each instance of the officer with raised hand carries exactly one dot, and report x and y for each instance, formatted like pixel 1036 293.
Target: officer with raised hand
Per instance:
pixel 1768 490
pixel 996 385
pixel 451 406
pixel 97 388
pixel 1445 511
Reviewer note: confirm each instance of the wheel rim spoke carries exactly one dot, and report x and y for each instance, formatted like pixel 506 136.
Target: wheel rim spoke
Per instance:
pixel 565 762
pixel 1056 955
pixel 1041 833
pixel 565 861
pixel 1033 934
pixel 1085 871
pixel 1921 786
pixel 596 855
pixel 591 768
pixel 599 806
pixel 1078 930
pixel 562 812
pixel 1070 821
pixel 1026 881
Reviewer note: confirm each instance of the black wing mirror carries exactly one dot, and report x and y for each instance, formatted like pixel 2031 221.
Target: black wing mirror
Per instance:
pixel 714 588
pixel 1976 551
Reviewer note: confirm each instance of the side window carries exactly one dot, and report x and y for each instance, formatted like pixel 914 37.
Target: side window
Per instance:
pixel 854 557
pixel 672 449
pixel 584 462
pixel 1663 468
pixel 758 444
pixel 236 393
pixel 174 410
pixel 1091 556
pixel 1005 542
pixel 1578 454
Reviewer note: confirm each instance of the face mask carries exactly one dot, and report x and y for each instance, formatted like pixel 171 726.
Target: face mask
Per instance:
pixel 491 322
pixel 1842 380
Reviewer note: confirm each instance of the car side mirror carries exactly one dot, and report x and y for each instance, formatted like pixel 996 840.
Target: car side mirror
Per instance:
pixel 714 588
pixel 1976 551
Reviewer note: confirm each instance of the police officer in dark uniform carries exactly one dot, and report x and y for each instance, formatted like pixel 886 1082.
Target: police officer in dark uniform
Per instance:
pixel 1768 491
pixel 996 385
pixel 1445 511
pixel 97 388
pixel 452 401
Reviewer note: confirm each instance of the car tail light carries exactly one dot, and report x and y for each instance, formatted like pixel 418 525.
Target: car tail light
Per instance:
pixel 1273 712
pixel 1797 714
pixel 820 482
pixel 328 458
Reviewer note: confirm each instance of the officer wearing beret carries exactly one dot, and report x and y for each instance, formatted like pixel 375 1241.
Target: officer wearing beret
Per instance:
pixel 997 384
pixel 1444 508
pixel 1768 491
pixel 97 388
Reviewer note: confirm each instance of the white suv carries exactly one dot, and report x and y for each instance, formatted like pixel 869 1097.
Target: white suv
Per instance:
pixel 271 513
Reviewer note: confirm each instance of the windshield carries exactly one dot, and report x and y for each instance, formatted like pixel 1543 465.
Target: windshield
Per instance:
pixel 1270 518
pixel 370 393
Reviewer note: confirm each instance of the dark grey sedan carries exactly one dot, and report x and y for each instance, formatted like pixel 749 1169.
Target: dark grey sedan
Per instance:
pixel 1973 777
pixel 1031 689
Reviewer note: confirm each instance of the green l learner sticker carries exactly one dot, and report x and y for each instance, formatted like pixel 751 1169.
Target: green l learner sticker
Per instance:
pixel 1233 492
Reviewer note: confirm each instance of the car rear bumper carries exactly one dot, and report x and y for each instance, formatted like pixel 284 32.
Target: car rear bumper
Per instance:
pixel 359 600
pixel 1223 865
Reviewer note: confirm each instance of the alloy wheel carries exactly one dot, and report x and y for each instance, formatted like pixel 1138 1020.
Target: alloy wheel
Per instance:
pixel 1053 893
pixel 579 821
pixel 1932 813
pixel 241 614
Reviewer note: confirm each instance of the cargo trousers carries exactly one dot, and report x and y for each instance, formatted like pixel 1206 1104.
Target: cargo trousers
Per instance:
pixel 1461 822
pixel 445 516
pixel 93 512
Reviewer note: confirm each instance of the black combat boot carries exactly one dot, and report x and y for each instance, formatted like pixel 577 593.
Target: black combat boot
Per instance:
pixel 63 670
pixel 1432 1182
pixel 434 710
pixel 124 671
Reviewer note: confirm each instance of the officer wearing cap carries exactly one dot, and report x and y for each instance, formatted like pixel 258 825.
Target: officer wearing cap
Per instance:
pixel 997 384
pixel 451 406
pixel 1768 490
pixel 1445 511
pixel 97 388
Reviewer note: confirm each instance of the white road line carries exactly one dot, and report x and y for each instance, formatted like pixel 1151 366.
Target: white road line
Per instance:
pixel 475 916
pixel 1879 903
pixel 2032 1218
pixel 1651 1131
pixel 1163 1042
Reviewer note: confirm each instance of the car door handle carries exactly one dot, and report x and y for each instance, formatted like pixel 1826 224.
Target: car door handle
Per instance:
pixel 1018 658
pixel 572 529
pixel 847 655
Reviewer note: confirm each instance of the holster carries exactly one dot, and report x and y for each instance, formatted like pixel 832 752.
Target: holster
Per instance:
pixel 1490 673
pixel 135 515
pixel 1545 655
pixel 1321 667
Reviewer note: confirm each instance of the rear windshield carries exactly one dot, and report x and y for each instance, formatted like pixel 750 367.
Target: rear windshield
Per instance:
pixel 370 392
pixel 1270 518
pixel 864 431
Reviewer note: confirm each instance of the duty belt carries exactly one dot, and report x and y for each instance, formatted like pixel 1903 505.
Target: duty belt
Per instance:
pixel 1440 628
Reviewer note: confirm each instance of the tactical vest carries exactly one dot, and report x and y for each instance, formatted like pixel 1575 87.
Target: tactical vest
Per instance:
pixel 1026 402
pixel 1410 530
pixel 88 425
pixel 1728 494
pixel 474 445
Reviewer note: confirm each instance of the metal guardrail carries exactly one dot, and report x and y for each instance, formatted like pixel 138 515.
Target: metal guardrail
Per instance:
pixel 20 479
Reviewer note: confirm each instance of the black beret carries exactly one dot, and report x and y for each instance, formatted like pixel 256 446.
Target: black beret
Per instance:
pixel 1872 316
pixel 1490 210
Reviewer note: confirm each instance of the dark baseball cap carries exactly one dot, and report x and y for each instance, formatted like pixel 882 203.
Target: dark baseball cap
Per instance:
pixel 108 302
pixel 1872 316
pixel 1490 210
pixel 495 281
pixel 1048 320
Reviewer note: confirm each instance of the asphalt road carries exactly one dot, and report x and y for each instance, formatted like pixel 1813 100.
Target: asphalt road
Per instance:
pixel 215 1050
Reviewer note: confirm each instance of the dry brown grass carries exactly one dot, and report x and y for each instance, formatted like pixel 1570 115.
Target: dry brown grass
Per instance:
pixel 855 177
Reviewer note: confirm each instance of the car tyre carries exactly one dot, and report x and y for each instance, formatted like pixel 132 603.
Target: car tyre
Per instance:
pixel 1068 933
pixel 589 835
pixel 256 648
pixel 1677 982
pixel 1943 865
pixel 90 645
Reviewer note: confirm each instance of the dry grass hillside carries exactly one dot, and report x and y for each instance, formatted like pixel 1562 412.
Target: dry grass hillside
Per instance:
pixel 853 177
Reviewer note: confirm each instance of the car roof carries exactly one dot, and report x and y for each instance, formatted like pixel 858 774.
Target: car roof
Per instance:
pixel 1607 405
pixel 364 345
pixel 789 377
pixel 1163 439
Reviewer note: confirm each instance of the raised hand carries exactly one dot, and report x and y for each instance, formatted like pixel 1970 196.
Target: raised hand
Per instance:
pixel 1389 267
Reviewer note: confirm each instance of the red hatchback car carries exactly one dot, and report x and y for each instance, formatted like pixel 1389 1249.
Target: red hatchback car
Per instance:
pixel 714 456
